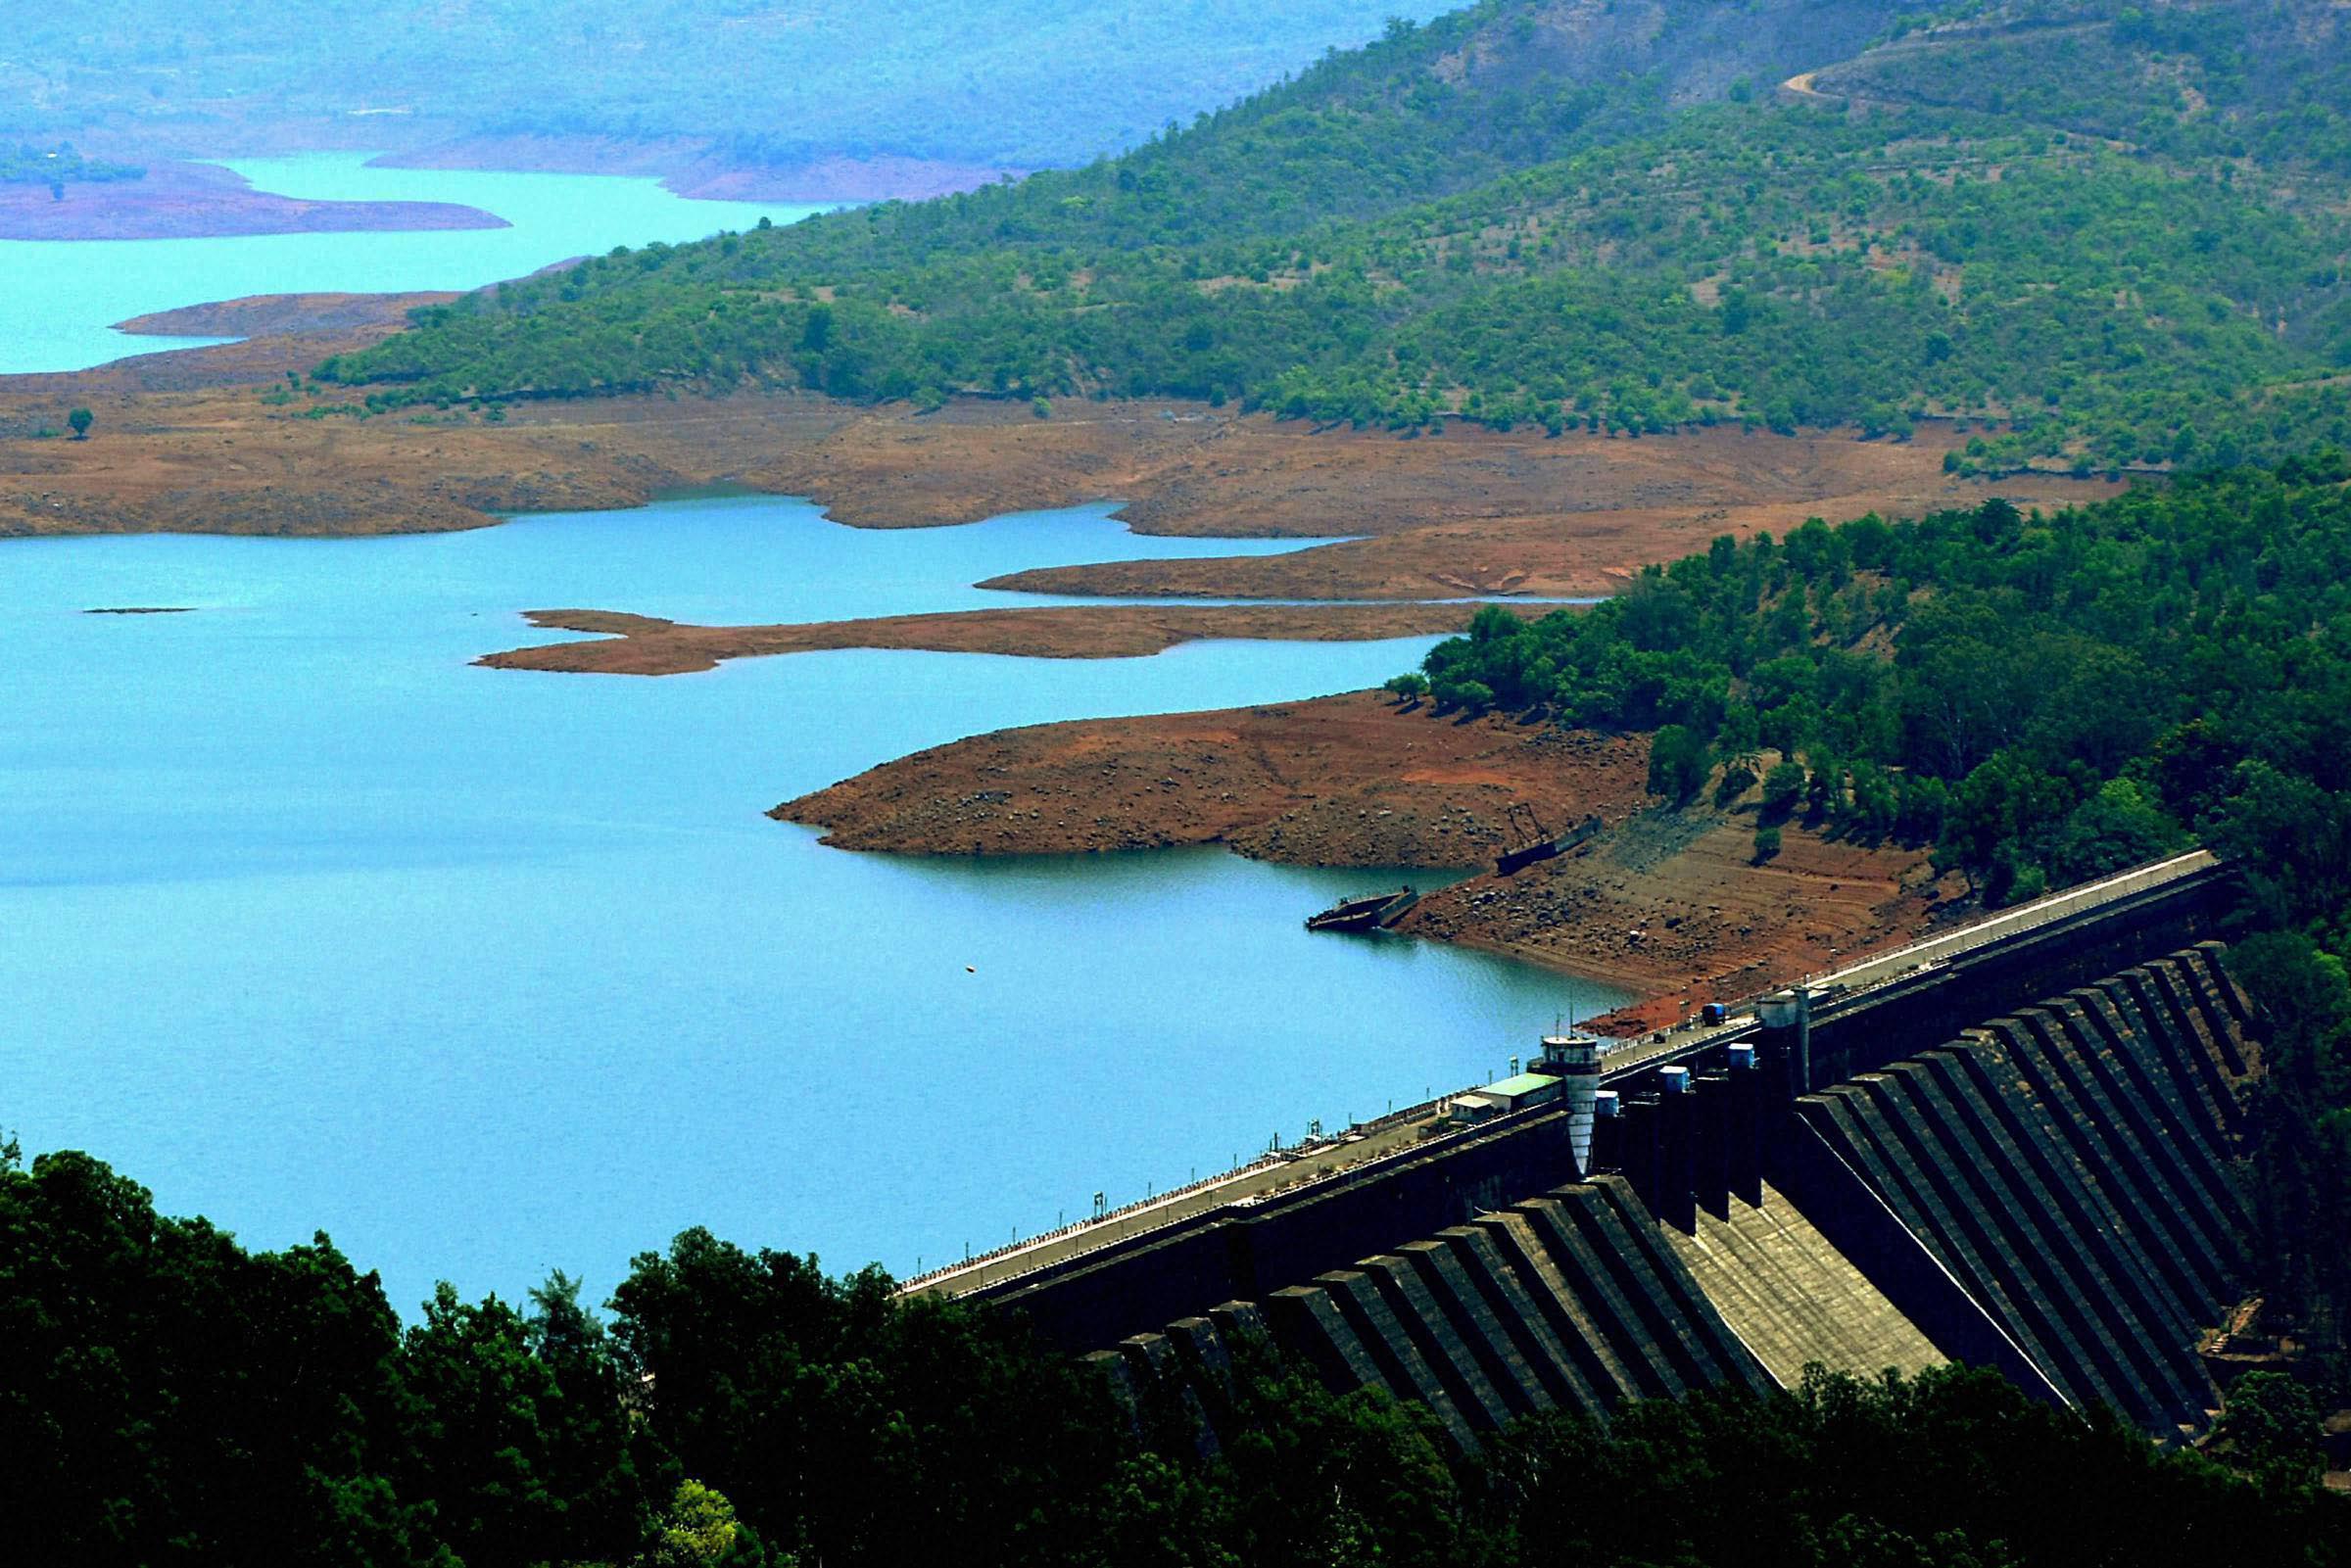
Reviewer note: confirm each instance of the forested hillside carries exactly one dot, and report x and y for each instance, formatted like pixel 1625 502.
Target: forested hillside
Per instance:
pixel 1011 82
pixel 1483 218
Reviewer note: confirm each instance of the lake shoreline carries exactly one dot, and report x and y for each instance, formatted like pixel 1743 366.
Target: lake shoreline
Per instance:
pixel 187 193
pixel 1665 904
pixel 1472 513
pixel 549 914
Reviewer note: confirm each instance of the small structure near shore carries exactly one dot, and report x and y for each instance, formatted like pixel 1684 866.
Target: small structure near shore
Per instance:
pixel 1539 842
pixel 1365 913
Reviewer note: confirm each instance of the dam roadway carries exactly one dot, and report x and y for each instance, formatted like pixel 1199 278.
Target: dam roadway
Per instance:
pixel 1857 982
pixel 1906 974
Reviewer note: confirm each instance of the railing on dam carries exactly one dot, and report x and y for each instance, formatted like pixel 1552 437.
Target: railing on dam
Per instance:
pixel 1843 985
pixel 1104 1226
pixel 1251 1181
pixel 1363 1150
pixel 2015 921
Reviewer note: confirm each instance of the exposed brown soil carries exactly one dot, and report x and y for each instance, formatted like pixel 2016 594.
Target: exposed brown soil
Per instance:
pixel 644 645
pixel 1345 781
pixel 215 387
pixel 186 443
pixel 1186 470
pixel 1500 514
pixel 1672 907
pixel 191 200
pixel 1663 903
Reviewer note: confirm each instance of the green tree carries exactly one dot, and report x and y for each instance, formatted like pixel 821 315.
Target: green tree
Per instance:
pixel 1767 843
pixel 1738 778
pixel 2271 1427
pixel 82 419
pixel 166 1395
pixel 1678 759
pixel 700 1529
pixel 1782 788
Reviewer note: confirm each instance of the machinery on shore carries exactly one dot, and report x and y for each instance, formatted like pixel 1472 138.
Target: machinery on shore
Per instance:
pixel 1537 842
pixel 1368 912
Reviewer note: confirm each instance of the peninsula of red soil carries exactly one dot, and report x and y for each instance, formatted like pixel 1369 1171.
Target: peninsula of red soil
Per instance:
pixel 1665 903
pixel 202 201
pixel 186 441
pixel 1345 781
pixel 644 645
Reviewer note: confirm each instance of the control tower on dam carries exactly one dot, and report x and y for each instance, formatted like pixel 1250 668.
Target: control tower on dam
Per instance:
pixel 2011 1147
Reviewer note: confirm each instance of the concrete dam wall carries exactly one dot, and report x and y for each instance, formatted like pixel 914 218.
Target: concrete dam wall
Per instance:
pixel 2050 1192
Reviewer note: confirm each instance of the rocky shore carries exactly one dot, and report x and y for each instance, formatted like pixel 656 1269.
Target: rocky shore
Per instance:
pixel 1345 781
pixel 202 441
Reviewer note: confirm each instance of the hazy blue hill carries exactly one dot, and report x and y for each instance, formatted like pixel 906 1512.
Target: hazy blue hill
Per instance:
pixel 1020 83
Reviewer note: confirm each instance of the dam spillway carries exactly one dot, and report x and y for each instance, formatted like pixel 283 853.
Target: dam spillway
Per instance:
pixel 2048 1190
pixel 1792 1297
pixel 2068 1168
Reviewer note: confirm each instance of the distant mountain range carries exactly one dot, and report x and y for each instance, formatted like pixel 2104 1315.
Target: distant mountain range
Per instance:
pixel 1020 83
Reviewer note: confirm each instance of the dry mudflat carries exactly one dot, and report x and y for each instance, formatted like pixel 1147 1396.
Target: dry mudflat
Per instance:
pixel 186 443
pixel 1344 781
pixel 691 167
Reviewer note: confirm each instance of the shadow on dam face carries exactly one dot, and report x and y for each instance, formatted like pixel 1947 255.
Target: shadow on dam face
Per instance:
pixel 2048 1191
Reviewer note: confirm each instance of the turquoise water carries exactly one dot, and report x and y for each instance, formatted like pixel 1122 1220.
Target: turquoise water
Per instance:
pixel 63 297
pixel 311 925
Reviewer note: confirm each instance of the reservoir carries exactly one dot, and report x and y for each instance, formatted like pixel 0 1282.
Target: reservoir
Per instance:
pixel 62 297
pixel 314 925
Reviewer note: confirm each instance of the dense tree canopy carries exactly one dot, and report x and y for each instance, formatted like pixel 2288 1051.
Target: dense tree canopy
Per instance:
pixel 167 1396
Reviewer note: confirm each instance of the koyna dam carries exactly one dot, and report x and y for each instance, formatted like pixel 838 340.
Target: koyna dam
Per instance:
pixel 2013 1146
